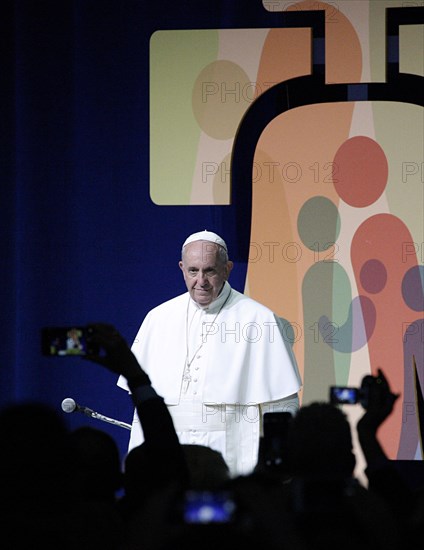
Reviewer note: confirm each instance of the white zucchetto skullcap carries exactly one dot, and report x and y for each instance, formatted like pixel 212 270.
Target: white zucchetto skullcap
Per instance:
pixel 206 236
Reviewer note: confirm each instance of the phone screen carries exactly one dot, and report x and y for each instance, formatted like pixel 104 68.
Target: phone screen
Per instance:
pixel 208 507
pixel 343 395
pixel 65 341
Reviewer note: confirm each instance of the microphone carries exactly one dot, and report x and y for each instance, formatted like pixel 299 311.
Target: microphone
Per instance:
pixel 69 405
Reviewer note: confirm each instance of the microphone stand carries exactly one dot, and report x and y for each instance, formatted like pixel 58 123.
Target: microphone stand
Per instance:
pixel 70 406
pixel 99 416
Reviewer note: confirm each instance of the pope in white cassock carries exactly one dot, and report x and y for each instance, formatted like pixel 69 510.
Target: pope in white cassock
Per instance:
pixel 218 358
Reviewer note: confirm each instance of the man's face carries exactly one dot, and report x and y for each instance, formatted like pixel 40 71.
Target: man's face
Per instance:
pixel 204 271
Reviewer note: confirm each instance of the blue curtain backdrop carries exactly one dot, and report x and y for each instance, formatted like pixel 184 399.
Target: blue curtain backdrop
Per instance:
pixel 81 240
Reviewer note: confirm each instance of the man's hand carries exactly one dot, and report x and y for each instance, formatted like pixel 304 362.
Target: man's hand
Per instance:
pixel 380 402
pixel 115 353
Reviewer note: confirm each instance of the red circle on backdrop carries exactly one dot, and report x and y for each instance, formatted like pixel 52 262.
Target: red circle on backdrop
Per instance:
pixel 361 171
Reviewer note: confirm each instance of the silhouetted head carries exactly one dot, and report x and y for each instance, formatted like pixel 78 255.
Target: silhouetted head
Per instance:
pixel 96 464
pixel 207 467
pixel 320 442
pixel 35 458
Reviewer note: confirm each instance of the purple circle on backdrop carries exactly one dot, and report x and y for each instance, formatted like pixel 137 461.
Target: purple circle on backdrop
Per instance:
pixel 373 276
pixel 413 288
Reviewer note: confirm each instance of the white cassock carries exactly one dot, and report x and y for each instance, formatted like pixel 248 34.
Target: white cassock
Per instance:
pixel 219 369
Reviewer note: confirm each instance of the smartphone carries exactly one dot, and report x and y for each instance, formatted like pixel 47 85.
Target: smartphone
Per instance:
pixel 344 395
pixel 66 341
pixel 274 442
pixel 205 507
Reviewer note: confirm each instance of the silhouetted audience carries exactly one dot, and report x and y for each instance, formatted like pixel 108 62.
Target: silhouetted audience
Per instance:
pixel 155 472
pixel 42 506
pixel 328 504
pixel 384 476
pixel 67 489
pixel 34 469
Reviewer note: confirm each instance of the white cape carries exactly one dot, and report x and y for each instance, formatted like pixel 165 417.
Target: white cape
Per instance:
pixel 249 358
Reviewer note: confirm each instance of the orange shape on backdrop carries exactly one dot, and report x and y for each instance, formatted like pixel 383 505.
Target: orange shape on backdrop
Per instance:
pixel 306 139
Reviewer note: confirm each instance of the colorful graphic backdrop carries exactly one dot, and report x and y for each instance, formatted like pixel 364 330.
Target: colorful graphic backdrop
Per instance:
pixel 336 180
